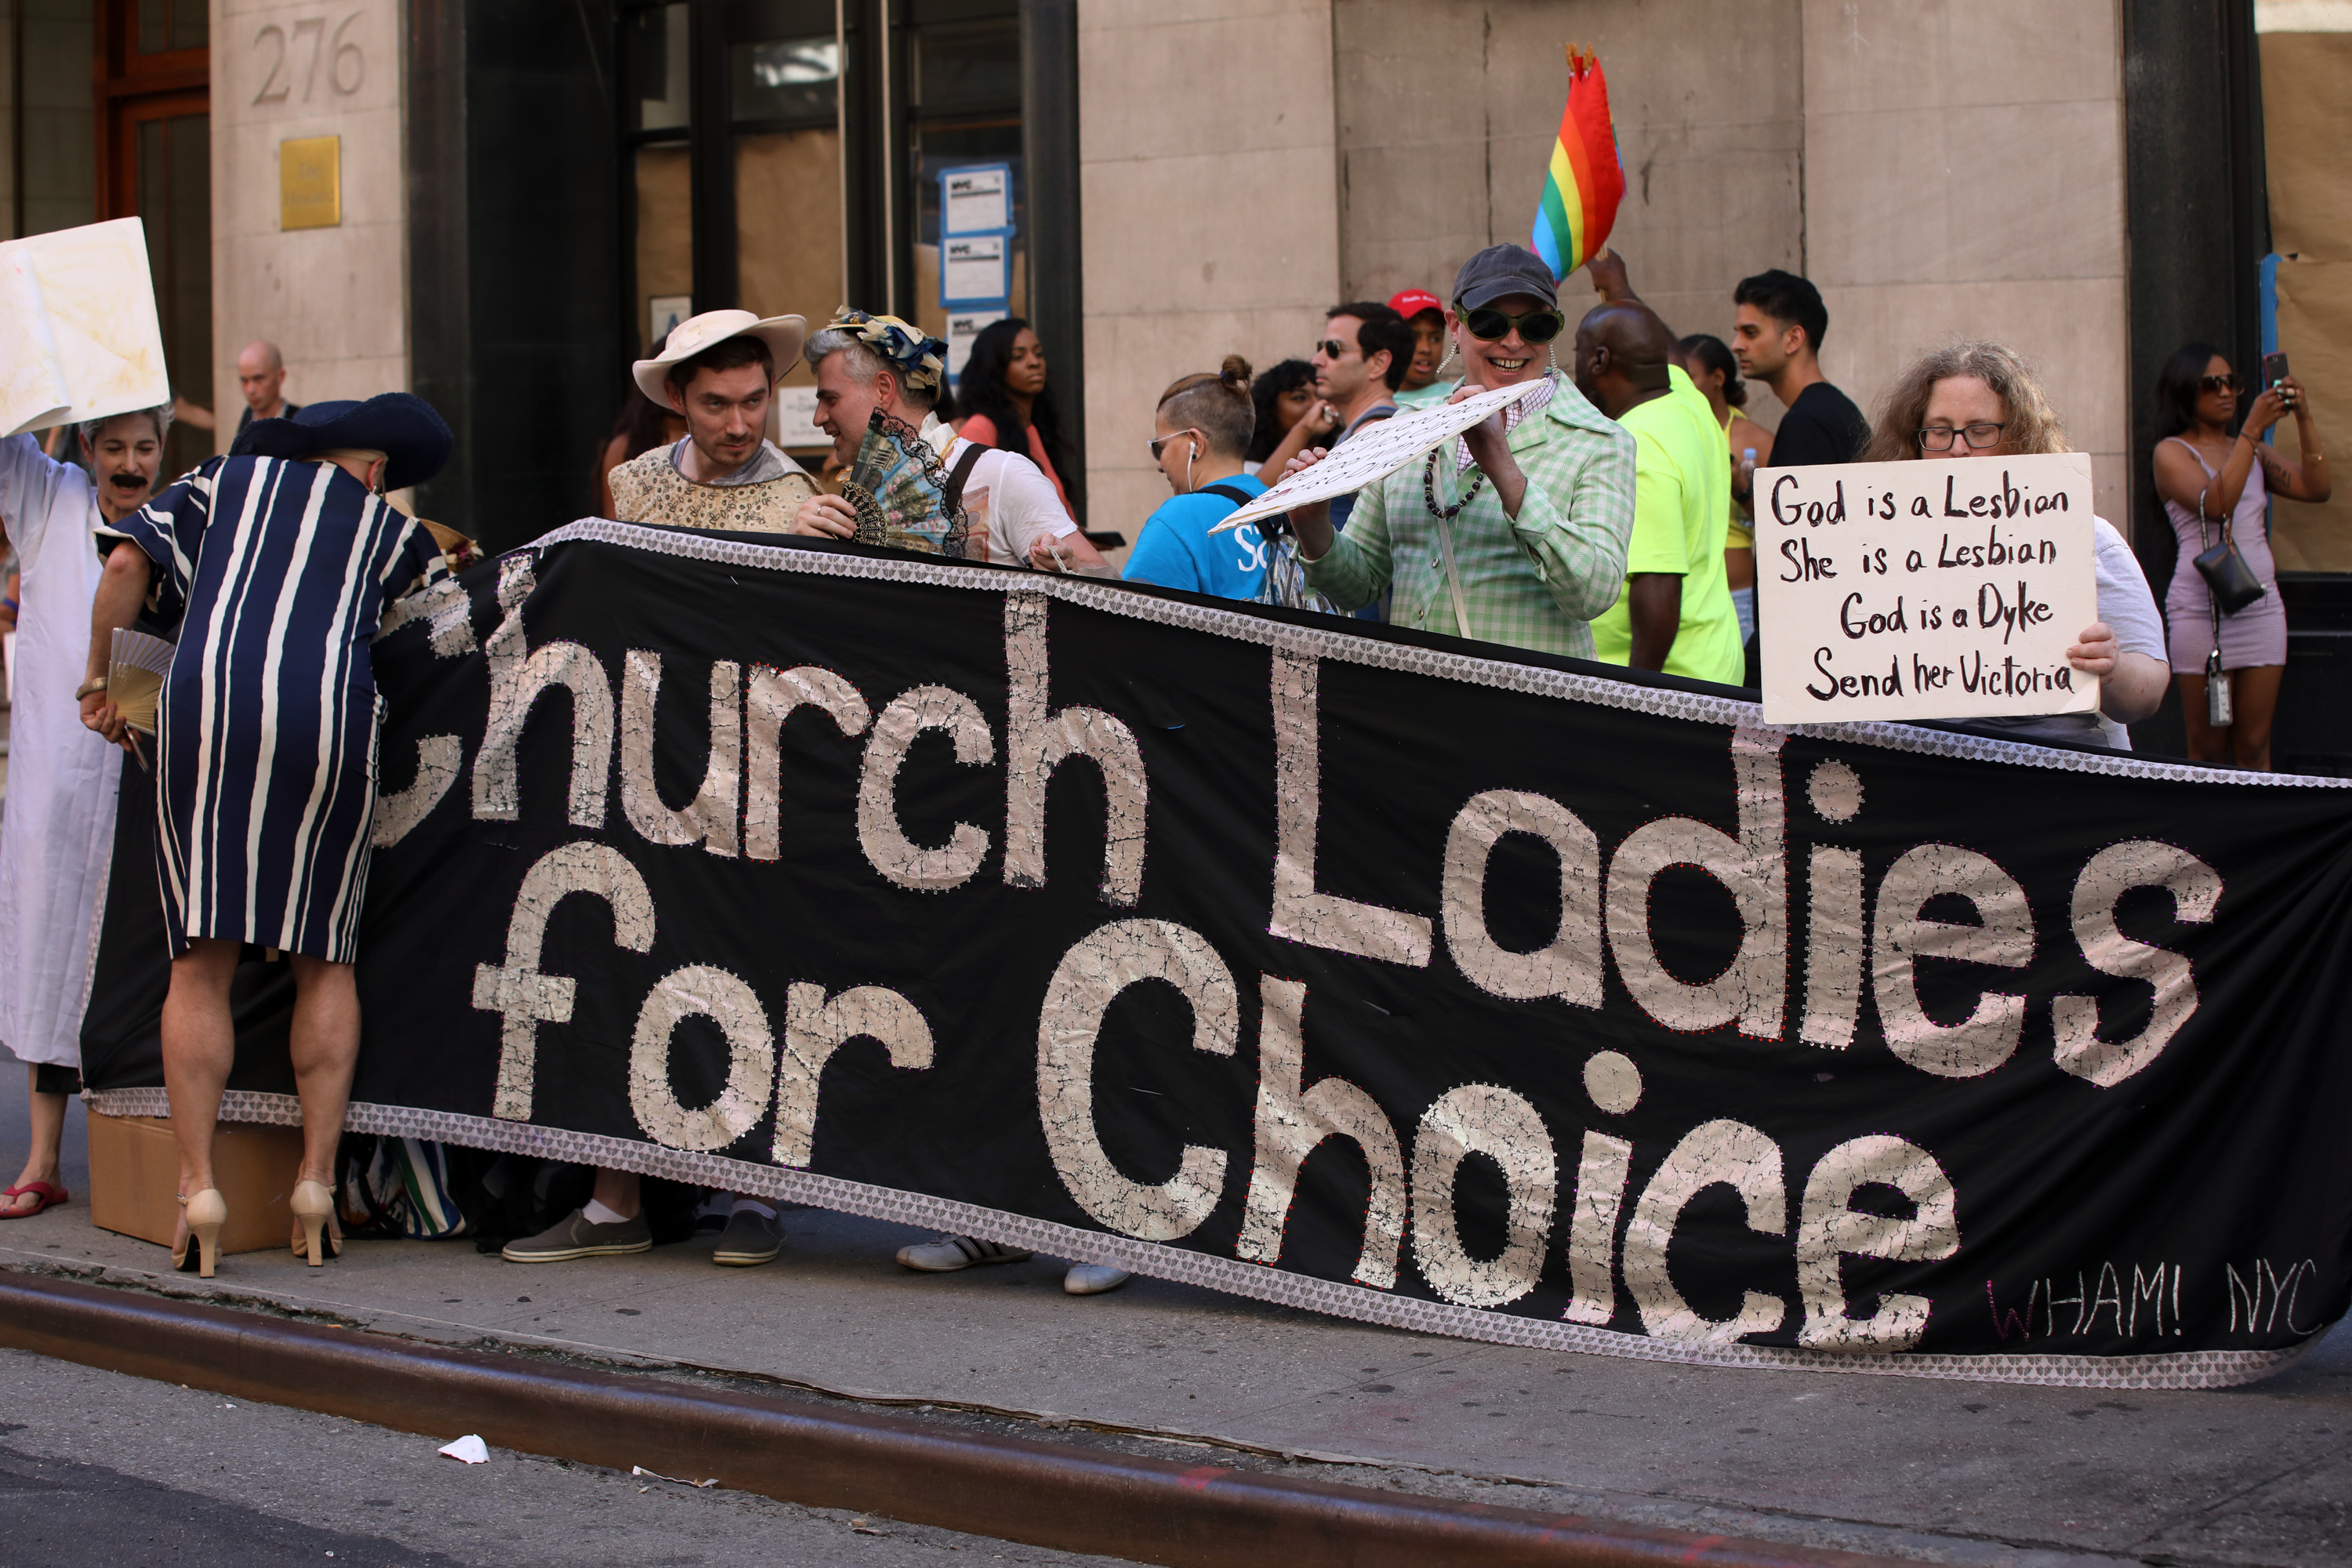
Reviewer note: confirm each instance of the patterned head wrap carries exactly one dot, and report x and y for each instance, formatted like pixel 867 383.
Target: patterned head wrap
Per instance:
pixel 919 360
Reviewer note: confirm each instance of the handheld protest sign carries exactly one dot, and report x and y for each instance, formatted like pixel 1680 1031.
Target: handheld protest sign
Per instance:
pixel 1946 589
pixel 1376 452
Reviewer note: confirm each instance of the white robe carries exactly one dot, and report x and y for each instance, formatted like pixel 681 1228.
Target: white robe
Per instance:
pixel 56 835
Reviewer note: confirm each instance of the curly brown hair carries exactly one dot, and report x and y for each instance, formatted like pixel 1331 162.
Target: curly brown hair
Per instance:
pixel 2033 425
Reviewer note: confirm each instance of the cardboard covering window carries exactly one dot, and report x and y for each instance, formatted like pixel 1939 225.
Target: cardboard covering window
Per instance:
pixel 2307 140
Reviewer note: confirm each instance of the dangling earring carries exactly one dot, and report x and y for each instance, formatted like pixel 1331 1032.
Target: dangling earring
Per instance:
pixel 1551 361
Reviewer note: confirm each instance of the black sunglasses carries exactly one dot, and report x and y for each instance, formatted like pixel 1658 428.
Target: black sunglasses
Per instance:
pixel 1488 325
pixel 1161 444
pixel 2231 383
pixel 1332 348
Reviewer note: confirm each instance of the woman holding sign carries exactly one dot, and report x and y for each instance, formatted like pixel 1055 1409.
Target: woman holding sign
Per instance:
pixel 1982 400
pixel 2217 489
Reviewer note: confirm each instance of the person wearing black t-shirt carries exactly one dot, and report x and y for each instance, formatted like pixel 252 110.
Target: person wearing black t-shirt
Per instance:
pixel 1776 335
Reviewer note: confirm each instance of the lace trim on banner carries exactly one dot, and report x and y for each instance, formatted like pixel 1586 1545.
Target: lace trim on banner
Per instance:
pixel 1352 649
pixel 2184 1369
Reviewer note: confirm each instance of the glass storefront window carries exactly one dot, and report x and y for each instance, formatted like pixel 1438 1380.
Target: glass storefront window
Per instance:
pixel 658 67
pixel 168 25
pixel 785 78
pixel 967 66
pixel 665 248
pixel 965 88
pixel 174 192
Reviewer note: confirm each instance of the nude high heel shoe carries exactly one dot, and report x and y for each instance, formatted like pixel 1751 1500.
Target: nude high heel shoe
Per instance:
pixel 207 1212
pixel 313 1204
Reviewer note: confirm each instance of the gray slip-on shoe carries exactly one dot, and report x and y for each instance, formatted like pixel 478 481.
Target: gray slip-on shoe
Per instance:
pixel 750 1238
pixel 1093 1278
pixel 576 1236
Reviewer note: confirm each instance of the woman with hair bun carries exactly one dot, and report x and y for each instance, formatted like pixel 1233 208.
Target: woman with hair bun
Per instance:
pixel 1200 438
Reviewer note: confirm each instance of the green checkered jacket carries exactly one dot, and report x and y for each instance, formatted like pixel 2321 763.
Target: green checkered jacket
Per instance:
pixel 1535 581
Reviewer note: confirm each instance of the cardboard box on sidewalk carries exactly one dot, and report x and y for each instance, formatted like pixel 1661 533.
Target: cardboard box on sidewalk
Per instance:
pixel 134 1178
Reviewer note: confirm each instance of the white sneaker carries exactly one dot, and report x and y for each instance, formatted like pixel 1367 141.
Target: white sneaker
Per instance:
pixel 1093 1278
pixel 949 1253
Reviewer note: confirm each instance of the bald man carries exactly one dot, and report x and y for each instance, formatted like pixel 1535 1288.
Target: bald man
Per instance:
pixel 261 376
pixel 1676 614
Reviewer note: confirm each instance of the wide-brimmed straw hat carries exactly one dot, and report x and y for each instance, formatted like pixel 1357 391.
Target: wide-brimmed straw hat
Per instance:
pixel 782 334
pixel 414 438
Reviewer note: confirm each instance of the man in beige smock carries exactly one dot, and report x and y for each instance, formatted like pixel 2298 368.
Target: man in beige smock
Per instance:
pixel 717 370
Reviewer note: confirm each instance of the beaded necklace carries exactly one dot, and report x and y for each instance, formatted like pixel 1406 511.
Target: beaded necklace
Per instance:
pixel 1429 490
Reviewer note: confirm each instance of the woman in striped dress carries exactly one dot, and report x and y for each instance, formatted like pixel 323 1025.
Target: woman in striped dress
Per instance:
pixel 278 561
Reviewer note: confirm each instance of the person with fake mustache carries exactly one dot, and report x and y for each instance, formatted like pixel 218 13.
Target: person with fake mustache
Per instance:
pixel 60 827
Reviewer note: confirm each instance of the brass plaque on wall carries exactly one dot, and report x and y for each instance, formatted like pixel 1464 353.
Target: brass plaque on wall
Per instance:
pixel 310 182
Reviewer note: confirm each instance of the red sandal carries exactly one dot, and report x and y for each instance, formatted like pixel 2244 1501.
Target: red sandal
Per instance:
pixel 49 1192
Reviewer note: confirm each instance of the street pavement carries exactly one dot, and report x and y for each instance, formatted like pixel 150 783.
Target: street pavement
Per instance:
pixel 101 1470
pixel 1948 1471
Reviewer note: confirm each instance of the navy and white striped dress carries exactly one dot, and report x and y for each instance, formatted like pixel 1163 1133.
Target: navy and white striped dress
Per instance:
pixel 266 748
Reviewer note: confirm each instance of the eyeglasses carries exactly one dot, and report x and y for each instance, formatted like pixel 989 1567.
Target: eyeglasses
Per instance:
pixel 1332 348
pixel 1982 437
pixel 2231 383
pixel 1160 444
pixel 1535 327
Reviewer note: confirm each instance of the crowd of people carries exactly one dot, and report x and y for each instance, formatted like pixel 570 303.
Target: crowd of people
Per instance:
pixel 1605 514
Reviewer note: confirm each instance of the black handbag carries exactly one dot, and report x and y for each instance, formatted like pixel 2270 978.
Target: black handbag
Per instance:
pixel 2227 577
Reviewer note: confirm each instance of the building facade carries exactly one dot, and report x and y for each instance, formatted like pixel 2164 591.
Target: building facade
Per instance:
pixel 526 191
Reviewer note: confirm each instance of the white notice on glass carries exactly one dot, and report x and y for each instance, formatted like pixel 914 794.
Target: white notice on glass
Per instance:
pixel 792 419
pixel 973 268
pixel 1376 452
pixel 1947 589
pixel 973 201
pixel 963 326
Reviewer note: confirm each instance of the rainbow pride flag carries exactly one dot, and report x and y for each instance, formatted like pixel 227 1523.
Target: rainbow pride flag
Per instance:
pixel 1586 179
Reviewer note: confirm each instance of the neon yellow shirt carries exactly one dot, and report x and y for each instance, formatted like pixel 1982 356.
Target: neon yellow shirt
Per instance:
pixel 1682 507
pixel 1742 535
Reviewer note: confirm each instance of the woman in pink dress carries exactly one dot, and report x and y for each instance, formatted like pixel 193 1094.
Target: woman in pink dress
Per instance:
pixel 2211 482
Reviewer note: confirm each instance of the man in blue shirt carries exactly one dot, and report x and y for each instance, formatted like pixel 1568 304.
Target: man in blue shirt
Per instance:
pixel 1202 438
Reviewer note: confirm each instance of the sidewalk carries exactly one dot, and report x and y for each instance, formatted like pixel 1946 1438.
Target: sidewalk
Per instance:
pixel 1955 1472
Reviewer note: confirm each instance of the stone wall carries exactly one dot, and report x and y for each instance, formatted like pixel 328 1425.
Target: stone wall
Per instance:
pixel 1938 170
pixel 1212 209
pixel 1447 111
pixel 1964 177
pixel 334 299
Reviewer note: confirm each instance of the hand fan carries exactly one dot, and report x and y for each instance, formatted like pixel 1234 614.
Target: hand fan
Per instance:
pixel 900 492
pixel 458 550
pixel 134 677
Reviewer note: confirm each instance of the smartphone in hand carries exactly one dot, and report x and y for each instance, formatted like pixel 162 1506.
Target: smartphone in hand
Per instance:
pixel 2273 369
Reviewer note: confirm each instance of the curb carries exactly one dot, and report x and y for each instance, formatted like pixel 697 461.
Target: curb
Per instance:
pixel 1017 1489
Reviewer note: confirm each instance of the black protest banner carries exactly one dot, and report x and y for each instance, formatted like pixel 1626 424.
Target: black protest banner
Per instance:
pixel 1499 999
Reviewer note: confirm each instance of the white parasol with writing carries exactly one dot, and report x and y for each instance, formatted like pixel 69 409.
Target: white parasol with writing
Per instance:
pixel 1376 452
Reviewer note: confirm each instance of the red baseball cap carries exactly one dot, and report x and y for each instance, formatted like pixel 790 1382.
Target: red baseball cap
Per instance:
pixel 1412 302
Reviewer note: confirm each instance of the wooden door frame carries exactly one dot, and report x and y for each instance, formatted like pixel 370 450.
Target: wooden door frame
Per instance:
pixel 119 179
pixel 131 87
